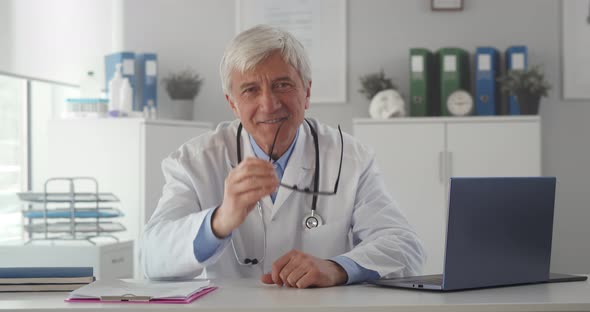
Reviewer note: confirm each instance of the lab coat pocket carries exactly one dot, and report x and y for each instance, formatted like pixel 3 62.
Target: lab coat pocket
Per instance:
pixel 326 241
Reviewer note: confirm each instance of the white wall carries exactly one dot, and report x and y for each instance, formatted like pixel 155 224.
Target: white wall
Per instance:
pixel 184 34
pixel 56 40
pixel 6 34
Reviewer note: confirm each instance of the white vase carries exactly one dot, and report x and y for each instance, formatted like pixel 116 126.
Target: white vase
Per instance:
pixel 182 109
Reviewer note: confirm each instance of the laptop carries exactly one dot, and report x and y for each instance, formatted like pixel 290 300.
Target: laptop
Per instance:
pixel 499 233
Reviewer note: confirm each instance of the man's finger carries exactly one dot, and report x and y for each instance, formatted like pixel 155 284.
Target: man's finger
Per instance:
pixel 296 275
pixel 278 266
pixel 307 280
pixel 266 278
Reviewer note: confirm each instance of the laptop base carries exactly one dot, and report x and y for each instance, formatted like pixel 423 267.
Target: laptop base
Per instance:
pixel 434 282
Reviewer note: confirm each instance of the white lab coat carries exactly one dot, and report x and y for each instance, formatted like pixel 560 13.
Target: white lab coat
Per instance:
pixel 360 222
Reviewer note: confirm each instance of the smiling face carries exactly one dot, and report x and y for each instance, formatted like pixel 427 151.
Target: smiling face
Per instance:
pixel 266 96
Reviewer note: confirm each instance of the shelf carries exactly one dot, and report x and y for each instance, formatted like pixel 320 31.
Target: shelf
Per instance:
pixel 67 197
pixel 431 119
pixel 62 213
pixel 79 227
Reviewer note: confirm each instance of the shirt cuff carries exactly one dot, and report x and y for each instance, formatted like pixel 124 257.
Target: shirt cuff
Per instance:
pixel 206 243
pixel 356 273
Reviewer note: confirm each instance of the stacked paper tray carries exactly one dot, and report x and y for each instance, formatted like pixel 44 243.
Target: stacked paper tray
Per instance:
pixel 102 212
pixel 67 197
pixel 79 227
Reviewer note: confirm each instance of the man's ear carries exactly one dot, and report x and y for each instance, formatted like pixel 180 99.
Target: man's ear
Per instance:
pixel 308 95
pixel 233 106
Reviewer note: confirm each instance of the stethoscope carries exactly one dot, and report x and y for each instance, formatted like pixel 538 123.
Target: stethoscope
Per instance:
pixel 313 219
pixel 310 221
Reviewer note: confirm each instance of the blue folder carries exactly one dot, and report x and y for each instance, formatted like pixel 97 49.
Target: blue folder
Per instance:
pixel 146 65
pixel 42 272
pixel 487 67
pixel 516 59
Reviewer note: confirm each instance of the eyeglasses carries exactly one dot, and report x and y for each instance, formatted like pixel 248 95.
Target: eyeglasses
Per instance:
pixel 308 190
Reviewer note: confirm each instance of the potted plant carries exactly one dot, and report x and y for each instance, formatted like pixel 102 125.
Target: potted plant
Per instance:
pixel 183 87
pixel 528 86
pixel 372 84
pixel 386 102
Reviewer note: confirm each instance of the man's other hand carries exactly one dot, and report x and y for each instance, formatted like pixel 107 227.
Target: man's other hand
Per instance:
pixel 298 269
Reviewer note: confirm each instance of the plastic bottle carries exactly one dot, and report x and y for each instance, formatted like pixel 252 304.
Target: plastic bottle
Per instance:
pixel 126 100
pixel 90 88
pixel 115 92
pixel 152 110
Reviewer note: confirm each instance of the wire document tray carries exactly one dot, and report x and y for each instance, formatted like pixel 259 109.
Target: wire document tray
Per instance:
pixel 73 215
pixel 67 197
pixel 62 213
pixel 79 227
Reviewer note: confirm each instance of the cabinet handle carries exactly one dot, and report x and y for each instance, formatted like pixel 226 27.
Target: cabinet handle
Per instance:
pixel 440 168
pixel 117 260
pixel 450 164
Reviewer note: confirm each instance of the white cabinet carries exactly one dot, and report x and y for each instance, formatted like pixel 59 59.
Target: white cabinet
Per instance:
pixel 417 156
pixel 124 155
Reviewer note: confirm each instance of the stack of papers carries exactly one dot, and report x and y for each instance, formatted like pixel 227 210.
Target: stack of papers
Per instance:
pixel 44 278
pixel 141 291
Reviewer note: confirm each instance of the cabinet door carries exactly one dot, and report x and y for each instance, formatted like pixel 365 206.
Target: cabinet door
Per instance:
pixel 160 141
pixel 410 156
pixel 502 148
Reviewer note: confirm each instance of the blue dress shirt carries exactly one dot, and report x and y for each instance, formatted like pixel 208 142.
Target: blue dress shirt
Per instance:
pixel 208 243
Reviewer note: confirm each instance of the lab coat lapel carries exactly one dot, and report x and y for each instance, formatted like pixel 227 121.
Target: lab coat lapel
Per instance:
pixel 300 168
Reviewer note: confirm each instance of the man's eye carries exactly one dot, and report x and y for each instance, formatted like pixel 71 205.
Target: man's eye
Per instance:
pixel 249 90
pixel 282 85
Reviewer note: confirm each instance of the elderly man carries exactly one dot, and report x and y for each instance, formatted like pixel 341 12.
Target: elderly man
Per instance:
pixel 273 194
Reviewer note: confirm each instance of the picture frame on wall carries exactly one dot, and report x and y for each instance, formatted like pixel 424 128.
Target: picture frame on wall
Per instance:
pixel 446 5
pixel 575 49
pixel 320 25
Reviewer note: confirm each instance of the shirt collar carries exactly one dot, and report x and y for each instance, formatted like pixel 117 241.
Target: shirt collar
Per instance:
pixel 282 160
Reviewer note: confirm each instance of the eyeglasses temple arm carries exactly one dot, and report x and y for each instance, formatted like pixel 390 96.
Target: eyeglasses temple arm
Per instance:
pixel 341 156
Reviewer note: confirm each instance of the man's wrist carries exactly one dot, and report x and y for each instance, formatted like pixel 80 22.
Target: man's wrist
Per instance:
pixel 217 226
pixel 340 276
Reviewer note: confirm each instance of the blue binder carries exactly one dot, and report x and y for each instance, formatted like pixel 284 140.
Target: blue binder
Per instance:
pixel 487 67
pixel 127 61
pixel 146 69
pixel 43 272
pixel 516 59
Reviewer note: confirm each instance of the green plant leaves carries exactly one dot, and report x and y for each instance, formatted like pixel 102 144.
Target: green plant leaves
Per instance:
pixel 525 81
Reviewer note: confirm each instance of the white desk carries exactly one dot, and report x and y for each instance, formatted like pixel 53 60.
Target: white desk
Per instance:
pixel 251 295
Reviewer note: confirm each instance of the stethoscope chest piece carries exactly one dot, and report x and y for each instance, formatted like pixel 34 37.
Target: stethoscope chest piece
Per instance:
pixel 312 220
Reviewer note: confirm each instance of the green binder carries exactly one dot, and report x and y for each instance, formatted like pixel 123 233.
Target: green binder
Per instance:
pixel 423 83
pixel 454 74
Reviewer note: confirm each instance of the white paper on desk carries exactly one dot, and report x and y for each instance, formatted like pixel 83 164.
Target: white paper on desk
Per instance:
pixel 153 289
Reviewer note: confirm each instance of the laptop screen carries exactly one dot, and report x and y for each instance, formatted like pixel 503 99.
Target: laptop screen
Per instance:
pixel 499 231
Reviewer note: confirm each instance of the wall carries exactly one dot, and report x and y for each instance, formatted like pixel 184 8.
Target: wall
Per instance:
pixel 6 34
pixel 56 40
pixel 184 34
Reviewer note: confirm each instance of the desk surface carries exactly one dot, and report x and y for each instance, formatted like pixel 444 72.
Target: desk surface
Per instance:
pixel 251 295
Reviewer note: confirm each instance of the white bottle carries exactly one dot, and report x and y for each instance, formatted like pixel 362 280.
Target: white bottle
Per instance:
pixel 151 108
pixel 126 100
pixel 89 86
pixel 115 92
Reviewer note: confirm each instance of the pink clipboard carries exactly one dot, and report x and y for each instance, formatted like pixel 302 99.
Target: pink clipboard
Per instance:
pixel 190 299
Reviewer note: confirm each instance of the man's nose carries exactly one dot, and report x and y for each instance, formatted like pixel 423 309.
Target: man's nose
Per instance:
pixel 269 102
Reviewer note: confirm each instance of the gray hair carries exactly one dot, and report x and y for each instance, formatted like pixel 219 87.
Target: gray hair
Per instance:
pixel 253 46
